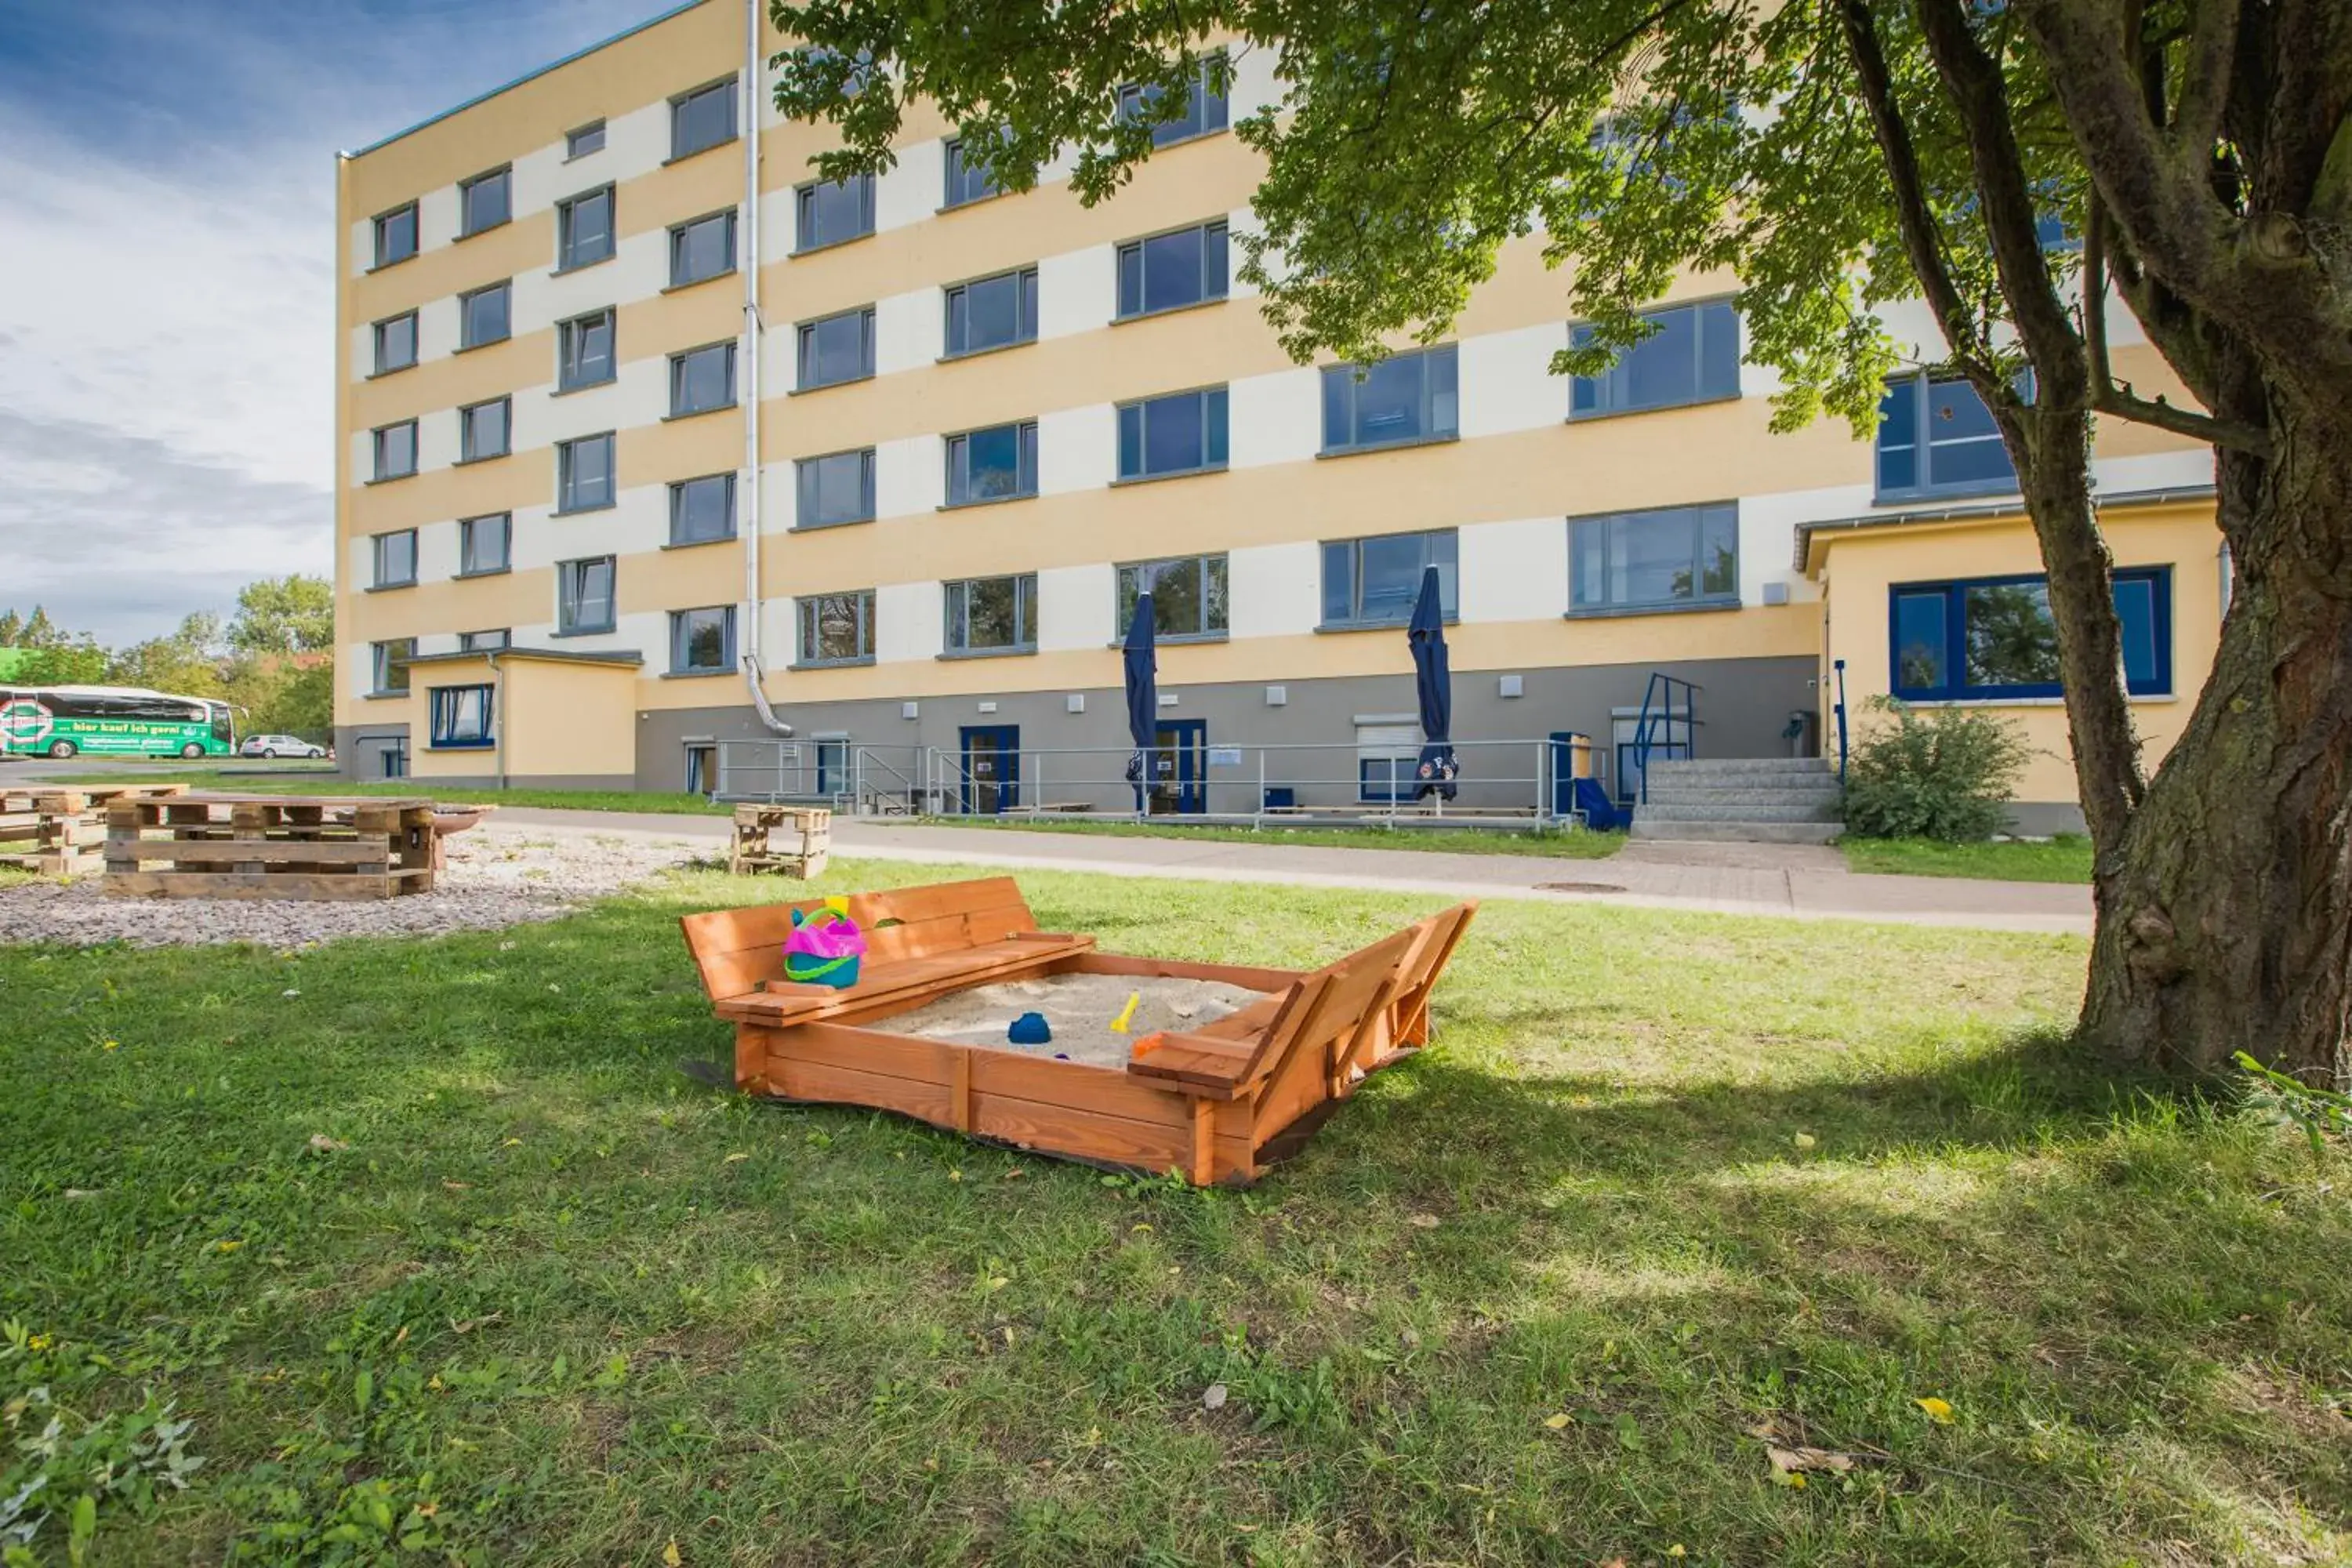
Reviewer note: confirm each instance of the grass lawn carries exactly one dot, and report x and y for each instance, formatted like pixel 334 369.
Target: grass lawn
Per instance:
pixel 1451 840
pixel 433 1243
pixel 2066 858
pixel 237 780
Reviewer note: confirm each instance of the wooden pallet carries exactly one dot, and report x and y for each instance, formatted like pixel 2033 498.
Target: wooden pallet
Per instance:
pixel 269 846
pixel 62 832
pixel 1215 1105
pixel 793 840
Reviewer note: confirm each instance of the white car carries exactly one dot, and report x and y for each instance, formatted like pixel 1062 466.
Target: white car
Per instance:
pixel 278 746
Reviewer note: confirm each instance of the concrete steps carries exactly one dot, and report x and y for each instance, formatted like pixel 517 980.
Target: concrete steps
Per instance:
pixel 1741 800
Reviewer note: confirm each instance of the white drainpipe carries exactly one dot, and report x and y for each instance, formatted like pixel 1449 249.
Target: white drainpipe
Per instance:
pixel 754 335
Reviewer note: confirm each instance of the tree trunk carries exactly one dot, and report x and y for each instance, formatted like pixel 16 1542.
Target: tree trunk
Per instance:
pixel 2225 914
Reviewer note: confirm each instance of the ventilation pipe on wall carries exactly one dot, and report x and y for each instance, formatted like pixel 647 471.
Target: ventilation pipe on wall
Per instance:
pixel 754 336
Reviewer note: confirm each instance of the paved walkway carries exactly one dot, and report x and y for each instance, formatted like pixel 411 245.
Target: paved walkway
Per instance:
pixel 1800 881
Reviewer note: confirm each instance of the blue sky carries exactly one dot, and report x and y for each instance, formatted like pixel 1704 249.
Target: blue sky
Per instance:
pixel 167 294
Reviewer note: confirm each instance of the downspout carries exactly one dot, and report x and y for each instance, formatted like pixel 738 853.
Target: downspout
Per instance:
pixel 498 716
pixel 754 336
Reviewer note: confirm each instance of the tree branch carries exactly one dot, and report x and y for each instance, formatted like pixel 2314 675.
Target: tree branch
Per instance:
pixel 2119 400
pixel 2206 77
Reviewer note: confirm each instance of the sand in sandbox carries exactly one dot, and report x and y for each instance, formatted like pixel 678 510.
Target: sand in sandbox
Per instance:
pixel 1079 1007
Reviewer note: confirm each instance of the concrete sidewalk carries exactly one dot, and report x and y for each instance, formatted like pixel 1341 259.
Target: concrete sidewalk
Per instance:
pixel 1798 881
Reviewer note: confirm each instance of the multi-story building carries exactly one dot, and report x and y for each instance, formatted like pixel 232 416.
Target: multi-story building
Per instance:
pixel 651 443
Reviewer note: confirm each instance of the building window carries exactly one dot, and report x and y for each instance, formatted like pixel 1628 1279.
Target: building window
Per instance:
pixel 485 201
pixel 1188 596
pixel 583 473
pixel 1170 271
pixel 485 316
pixel 703 248
pixel 1403 398
pixel 589 137
pixel 583 352
pixel 461 715
pixel 835 349
pixel 702 510
pixel 485 545
pixel 702 119
pixel 388 664
pixel 1993 638
pixel 831 212
pixel 395 343
pixel 485 642
pixel 1667 559
pixel 968 179
pixel 1937 438
pixel 834 488
pixel 1375 582
pixel 483 430
pixel 996 464
pixel 583 230
pixel 584 597
pixel 1693 357
pixel 836 628
pixel 395 450
pixel 395 559
pixel 701 380
pixel 992 615
pixel 1184 433
pixel 1204 107
pixel 395 234
pixel 702 642
pixel 993 313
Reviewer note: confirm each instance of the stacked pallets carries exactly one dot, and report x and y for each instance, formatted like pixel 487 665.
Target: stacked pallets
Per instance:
pixel 62 832
pixel 269 846
pixel 795 840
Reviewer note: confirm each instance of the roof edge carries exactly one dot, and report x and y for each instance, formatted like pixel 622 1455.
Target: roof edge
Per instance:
pixel 2008 506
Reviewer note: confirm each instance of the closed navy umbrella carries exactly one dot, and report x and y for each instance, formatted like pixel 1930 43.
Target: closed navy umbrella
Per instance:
pixel 1142 693
pixel 1433 681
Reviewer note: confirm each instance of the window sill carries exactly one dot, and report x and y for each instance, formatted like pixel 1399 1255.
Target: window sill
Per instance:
pixel 693 673
pixel 1160 146
pixel 461 745
pixel 584 265
pixel 380 695
pixel 800 250
pixel 1170 311
pixel 829 385
pixel 1173 474
pixel 1329 452
pixel 1618 611
pixel 699 283
pixel 388 265
pixel 832 663
pixel 1602 415
pixel 579 511
pixel 2020 702
pixel 971 202
pixel 1396 626
pixel 388 587
pixel 700 412
pixel 485 229
pixel 828 527
pixel 984 353
pixel 485 457
pixel 1944 492
pixel 677 158
pixel 485 571
pixel 585 386
pixel 390 479
pixel 1023 651
pixel 388 370
pixel 985 501
pixel 485 343
pixel 604 631
pixel 1181 639
pixel 700 544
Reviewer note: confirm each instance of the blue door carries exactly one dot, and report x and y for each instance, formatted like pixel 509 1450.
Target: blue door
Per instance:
pixel 1180 766
pixel 991 768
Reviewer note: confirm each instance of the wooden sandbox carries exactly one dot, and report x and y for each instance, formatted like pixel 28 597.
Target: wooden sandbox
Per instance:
pixel 1216 1104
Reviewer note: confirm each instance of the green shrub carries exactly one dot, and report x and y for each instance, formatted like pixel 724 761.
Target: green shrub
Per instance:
pixel 1946 774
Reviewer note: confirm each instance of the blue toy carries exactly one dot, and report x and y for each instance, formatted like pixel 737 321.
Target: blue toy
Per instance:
pixel 1030 1029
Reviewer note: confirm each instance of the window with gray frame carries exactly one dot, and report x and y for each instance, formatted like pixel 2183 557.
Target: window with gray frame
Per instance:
pixel 835 349
pixel 993 313
pixel 584 229
pixel 388 664
pixel 968 179
pixel 583 473
pixel 485 642
pixel 1168 271
pixel 395 559
pixel 587 138
pixel 1182 433
pixel 395 234
pixel 1693 357
pixel 395 450
pixel 1664 559
pixel 1188 596
pixel 702 119
pixel 485 545
pixel 836 628
pixel 460 715
pixel 702 510
pixel 1204 110
pixel 704 248
pixel 1375 582
pixel 702 642
pixel 485 316
pixel 1404 398
pixel 395 343
pixel 992 615
pixel 583 352
pixel 1937 438
pixel 485 202
pixel 999 463
pixel 484 430
pixel 834 488
pixel 583 596
pixel 830 212
pixel 701 380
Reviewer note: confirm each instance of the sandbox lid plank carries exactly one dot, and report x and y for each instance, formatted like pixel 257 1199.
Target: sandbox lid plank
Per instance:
pixel 736 950
pixel 902 986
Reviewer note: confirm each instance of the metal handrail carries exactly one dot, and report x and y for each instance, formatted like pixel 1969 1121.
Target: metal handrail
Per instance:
pixel 1661 690
pixel 1838 666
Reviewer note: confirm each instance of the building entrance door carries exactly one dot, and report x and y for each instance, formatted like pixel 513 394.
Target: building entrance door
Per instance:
pixel 1179 767
pixel 991 768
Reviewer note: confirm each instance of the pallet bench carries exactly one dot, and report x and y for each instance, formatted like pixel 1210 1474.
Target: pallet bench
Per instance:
pixel 1216 1105
pixel 62 832
pixel 269 846
pixel 796 840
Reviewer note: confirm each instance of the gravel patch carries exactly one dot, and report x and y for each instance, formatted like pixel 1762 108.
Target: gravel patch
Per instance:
pixel 493 878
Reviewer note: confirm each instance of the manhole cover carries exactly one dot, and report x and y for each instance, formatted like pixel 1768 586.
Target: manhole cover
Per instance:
pixel 1577 888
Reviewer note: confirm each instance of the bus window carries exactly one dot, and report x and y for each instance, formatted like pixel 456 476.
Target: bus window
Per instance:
pixel 224 729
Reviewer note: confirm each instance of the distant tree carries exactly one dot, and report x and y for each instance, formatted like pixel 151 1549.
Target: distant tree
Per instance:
pixel 289 614
pixel 12 627
pixel 40 631
pixel 188 662
pixel 79 663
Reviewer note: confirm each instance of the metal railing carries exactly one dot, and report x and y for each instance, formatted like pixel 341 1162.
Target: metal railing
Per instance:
pixel 1658 708
pixel 1837 668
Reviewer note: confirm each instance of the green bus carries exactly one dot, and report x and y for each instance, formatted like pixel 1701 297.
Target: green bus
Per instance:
pixel 111 721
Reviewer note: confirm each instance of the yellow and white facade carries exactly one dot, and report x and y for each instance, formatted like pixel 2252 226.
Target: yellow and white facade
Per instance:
pixel 617 643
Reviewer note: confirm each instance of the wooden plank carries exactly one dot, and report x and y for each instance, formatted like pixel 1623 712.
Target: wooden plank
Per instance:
pixel 1204 1144
pixel 1249 977
pixel 736 949
pixel 896 988
pixel 275 851
pixel 752 1044
pixel 961 1090
pixel 280 885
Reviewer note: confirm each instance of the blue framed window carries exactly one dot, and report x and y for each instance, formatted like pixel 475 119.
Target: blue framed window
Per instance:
pixel 1205 111
pixel 1693 357
pixel 1667 559
pixel 1937 438
pixel 999 463
pixel 1992 638
pixel 1183 433
pixel 832 213
pixel 1168 271
pixel 461 717
pixel 969 177
pixel 1404 398
pixel 993 313
pixel 1375 582
pixel 838 348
